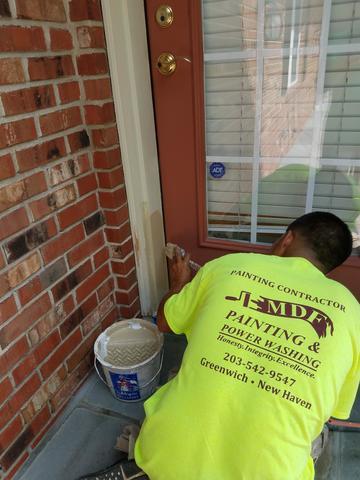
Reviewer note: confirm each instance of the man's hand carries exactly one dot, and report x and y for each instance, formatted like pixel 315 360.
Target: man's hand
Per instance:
pixel 180 275
pixel 180 272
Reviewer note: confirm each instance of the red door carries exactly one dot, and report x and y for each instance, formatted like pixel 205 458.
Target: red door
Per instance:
pixel 239 127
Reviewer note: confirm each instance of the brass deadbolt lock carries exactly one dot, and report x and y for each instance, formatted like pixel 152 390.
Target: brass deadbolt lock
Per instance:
pixel 164 16
pixel 166 64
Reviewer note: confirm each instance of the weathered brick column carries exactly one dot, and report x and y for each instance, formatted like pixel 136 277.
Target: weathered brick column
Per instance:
pixel 67 267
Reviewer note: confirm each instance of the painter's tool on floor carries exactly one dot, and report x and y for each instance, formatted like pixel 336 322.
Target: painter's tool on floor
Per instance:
pixel 170 249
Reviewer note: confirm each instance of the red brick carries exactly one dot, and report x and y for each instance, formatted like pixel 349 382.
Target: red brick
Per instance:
pixel 28 99
pixel 60 120
pixel 60 354
pixel 51 227
pixel 50 10
pixel 98 89
pixel 110 318
pixel 76 212
pixel 69 92
pixel 41 154
pixel 64 309
pixel 30 290
pixel 40 208
pixel 13 222
pixel 35 184
pixel 62 244
pixel 14 354
pixel 11 473
pixel 127 297
pixel 93 320
pixel 107 160
pixel 24 369
pixel 4 284
pixel 7 309
pixel 72 383
pixel 8 435
pixel 24 393
pixel 60 39
pixel 105 289
pixel 92 283
pixel 21 39
pixel 43 432
pixel 92 64
pixel 40 421
pixel 68 283
pixel 5 389
pixel 132 311
pixel 44 326
pixel 56 200
pixel 6 167
pixel 117 217
pixel 24 269
pixel 69 169
pixel 11 71
pixel 84 349
pixel 85 10
pixel 118 235
pixel 111 179
pixel 6 415
pixel 17 132
pixel 123 250
pixel 91 37
pixel 87 184
pixel 24 439
pixel 123 268
pixel 17 192
pixel 47 346
pixel 43 68
pixel 125 283
pixel 85 249
pixel 114 199
pixel 97 115
pixel 105 137
pixel 101 257
pixel 24 320
pixel 78 140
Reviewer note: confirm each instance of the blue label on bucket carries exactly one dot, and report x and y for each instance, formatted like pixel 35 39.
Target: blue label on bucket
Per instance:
pixel 126 386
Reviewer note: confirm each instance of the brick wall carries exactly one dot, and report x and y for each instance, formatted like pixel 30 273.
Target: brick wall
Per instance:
pixel 66 255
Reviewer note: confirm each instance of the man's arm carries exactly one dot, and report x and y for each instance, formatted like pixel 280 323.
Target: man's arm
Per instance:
pixel 180 275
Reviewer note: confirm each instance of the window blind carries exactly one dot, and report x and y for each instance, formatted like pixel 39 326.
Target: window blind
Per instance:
pixel 282 98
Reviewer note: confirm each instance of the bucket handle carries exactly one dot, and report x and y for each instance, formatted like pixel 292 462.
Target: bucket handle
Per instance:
pixel 142 386
pixel 97 371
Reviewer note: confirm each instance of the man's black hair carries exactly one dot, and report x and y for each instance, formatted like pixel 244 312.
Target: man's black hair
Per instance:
pixel 328 237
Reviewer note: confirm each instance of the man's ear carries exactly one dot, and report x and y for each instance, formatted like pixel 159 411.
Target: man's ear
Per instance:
pixel 281 246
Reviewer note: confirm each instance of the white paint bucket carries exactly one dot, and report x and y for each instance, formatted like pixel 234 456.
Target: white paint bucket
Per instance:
pixel 130 353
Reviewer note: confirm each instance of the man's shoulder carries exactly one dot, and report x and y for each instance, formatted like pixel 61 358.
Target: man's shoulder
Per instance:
pixel 238 258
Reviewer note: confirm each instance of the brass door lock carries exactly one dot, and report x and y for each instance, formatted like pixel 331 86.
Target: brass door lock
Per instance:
pixel 166 64
pixel 164 16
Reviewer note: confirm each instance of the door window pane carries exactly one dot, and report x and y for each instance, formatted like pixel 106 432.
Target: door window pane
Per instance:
pixel 282 81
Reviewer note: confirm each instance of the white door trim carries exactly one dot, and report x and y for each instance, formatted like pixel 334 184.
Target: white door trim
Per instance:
pixel 125 31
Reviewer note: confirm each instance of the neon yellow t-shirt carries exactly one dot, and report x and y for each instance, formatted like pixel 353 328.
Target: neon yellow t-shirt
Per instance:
pixel 273 352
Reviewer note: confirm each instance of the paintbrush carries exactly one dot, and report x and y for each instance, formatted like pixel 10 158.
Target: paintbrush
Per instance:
pixel 170 249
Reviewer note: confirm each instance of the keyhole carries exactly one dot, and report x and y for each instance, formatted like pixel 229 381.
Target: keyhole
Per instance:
pixel 162 18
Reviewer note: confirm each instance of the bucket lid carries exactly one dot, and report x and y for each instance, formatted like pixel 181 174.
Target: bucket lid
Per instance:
pixel 128 343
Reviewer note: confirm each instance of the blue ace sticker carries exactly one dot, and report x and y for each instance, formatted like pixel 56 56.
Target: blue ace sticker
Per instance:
pixel 217 169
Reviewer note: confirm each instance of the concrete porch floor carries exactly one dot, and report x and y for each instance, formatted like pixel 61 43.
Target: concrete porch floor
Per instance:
pixel 83 438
